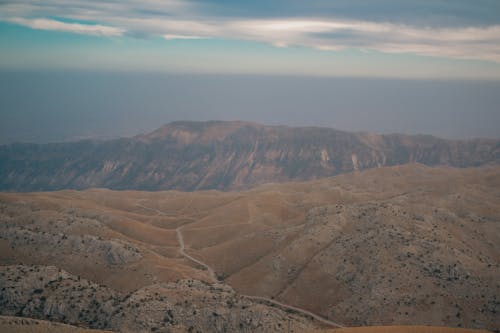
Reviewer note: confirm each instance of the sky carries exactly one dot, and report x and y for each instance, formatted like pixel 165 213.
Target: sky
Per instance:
pixel 365 65
pixel 375 38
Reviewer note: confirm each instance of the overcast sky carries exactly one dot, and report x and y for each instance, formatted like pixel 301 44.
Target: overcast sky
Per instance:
pixel 108 68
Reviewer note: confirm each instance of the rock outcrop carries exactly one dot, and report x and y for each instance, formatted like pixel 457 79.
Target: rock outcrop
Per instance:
pixel 49 293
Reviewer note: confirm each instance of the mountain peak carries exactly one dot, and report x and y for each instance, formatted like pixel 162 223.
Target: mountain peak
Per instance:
pixel 187 132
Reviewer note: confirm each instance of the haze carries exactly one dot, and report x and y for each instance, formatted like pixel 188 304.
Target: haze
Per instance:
pixel 62 106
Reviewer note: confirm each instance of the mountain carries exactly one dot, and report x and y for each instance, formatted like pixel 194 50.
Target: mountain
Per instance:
pixel 224 155
pixel 401 245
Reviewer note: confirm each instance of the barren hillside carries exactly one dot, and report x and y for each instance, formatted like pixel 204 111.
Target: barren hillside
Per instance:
pixel 46 292
pixel 404 245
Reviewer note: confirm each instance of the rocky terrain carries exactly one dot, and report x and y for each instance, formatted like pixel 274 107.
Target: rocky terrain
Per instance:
pixel 46 292
pixel 224 155
pixel 28 325
pixel 402 245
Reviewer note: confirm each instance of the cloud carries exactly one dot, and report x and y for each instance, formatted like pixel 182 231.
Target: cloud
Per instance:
pixel 176 19
pixel 172 37
pixel 77 28
pixel 465 43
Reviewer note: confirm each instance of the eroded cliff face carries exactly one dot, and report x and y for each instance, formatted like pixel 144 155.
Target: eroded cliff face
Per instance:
pixel 224 155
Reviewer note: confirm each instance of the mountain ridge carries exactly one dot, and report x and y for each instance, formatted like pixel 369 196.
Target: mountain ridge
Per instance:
pixel 225 155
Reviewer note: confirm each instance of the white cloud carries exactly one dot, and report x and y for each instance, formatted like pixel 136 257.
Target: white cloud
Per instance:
pixel 172 37
pixel 465 43
pixel 77 28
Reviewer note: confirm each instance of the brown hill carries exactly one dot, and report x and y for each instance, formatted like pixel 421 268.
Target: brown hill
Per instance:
pixel 224 155
pixel 404 245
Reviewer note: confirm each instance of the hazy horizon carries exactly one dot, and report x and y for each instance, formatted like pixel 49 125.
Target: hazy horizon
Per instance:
pixel 53 106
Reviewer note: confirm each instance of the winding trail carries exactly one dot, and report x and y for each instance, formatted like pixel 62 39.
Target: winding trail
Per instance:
pixel 210 271
pixel 296 309
pixel 214 279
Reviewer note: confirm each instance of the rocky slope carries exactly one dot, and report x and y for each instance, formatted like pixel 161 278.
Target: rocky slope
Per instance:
pixel 13 324
pixel 46 292
pixel 224 155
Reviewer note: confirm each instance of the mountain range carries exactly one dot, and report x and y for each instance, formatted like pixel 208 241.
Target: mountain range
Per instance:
pixel 221 155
